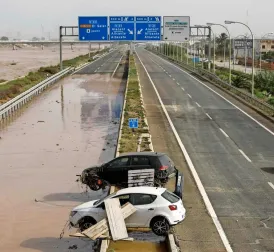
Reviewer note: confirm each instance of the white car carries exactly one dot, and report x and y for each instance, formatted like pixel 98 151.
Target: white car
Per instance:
pixel 157 208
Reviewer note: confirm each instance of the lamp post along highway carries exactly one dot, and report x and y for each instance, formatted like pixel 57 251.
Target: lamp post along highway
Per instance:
pixel 253 51
pixel 229 37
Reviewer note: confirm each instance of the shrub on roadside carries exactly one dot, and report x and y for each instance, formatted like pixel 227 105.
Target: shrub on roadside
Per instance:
pixel 265 81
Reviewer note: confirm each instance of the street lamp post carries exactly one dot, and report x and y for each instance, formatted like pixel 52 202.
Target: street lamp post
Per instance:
pixel 211 24
pixel 267 34
pixel 253 51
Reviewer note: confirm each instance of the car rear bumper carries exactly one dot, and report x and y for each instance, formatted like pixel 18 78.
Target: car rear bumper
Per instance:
pixel 177 220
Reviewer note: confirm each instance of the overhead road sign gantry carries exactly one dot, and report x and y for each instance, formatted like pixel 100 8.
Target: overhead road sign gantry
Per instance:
pixel 93 28
pixel 176 28
pixel 121 28
pixel 148 28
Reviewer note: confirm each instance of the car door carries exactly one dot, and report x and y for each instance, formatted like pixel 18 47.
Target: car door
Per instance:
pixel 114 172
pixel 145 209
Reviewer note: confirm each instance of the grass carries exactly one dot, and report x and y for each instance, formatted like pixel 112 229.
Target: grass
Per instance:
pixel 133 109
pixel 15 87
pixel 2 80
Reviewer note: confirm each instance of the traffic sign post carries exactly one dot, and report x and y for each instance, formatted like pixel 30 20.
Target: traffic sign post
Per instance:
pixel 133 123
pixel 93 28
pixel 121 28
pixel 176 29
pixel 148 28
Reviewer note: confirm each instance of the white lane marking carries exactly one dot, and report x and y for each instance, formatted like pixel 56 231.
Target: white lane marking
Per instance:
pixel 116 67
pixel 246 157
pixel 226 135
pixel 169 75
pixel 208 116
pixel 268 130
pixel 198 104
pixel 178 83
pixel 189 96
pixel 193 170
pixel 173 79
pixel 271 185
pixel 95 71
pixel 182 88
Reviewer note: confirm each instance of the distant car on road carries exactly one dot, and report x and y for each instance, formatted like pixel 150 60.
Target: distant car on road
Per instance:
pixel 115 172
pixel 157 208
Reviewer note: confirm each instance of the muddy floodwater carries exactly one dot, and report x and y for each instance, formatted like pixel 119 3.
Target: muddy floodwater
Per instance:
pixel 26 58
pixel 68 128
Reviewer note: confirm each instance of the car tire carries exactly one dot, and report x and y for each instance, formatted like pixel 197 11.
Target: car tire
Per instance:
pixel 160 226
pixel 86 223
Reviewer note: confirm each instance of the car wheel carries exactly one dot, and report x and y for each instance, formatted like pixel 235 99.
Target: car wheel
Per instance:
pixel 86 223
pixel 160 226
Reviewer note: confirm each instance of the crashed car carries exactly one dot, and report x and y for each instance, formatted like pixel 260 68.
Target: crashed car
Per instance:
pixel 115 172
pixel 156 208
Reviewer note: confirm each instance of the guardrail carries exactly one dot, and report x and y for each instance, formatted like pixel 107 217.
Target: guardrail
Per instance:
pixel 9 107
pixel 267 108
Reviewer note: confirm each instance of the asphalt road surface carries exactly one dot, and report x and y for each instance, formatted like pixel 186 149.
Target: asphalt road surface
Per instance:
pixel 69 127
pixel 233 154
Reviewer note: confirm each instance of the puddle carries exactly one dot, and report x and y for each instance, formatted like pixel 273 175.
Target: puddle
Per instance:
pixel 128 246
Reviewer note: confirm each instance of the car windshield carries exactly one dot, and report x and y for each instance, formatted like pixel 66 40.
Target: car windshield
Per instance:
pixel 172 198
pixel 165 160
pixel 98 202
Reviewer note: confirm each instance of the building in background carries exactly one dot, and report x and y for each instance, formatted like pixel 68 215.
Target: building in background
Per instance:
pixel 267 45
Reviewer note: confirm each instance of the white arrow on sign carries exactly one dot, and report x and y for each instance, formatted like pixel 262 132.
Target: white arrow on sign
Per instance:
pixel 140 31
pixel 103 37
pixel 83 37
pixel 130 31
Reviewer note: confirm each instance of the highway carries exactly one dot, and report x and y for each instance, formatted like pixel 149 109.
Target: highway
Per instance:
pixel 232 153
pixel 69 127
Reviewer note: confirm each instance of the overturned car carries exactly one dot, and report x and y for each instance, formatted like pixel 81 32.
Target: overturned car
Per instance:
pixel 135 169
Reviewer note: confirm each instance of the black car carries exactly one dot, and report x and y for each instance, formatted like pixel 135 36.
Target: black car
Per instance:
pixel 115 172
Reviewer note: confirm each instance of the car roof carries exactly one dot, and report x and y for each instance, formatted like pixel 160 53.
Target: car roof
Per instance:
pixel 143 153
pixel 142 189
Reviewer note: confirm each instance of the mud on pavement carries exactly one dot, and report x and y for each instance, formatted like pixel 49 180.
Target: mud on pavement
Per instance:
pixel 69 127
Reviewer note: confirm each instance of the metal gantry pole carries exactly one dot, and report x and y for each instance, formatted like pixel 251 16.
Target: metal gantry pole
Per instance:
pixel 60 40
pixel 187 53
pixel 181 52
pixel 177 49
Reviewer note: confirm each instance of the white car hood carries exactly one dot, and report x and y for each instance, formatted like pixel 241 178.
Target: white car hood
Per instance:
pixel 86 205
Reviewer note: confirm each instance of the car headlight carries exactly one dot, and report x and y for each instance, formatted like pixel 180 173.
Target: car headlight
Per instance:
pixel 72 213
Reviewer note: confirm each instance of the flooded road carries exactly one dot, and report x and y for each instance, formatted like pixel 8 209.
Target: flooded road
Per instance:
pixel 69 127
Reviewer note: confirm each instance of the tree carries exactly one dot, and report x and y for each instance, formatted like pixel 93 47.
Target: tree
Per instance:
pixel 35 39
pixel 4 38
pixel 43 38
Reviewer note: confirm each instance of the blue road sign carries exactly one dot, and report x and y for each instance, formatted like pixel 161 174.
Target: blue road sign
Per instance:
pixel 121 28
pixel 93 28
pixel 148 28
pixel 133 123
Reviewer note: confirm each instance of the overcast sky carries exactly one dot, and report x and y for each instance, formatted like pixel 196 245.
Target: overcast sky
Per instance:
pixel 25 18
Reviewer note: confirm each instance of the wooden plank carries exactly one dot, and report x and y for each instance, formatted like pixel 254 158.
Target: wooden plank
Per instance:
pixel 142 177
pixel 80 235
pixel 141 171
pixel 115 219
pixel 104 246
pixel 101 227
